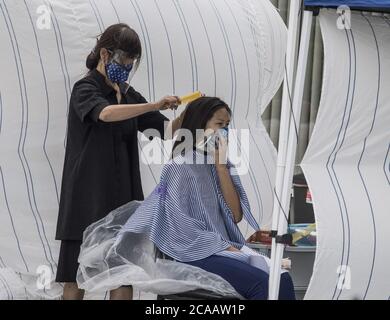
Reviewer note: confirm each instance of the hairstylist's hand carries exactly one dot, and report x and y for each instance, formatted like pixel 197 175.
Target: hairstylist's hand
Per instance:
pixel 168 102
pixel 233 249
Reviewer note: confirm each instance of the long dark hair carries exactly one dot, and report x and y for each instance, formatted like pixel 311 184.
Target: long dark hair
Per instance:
pixel 197 114
pixel 117 36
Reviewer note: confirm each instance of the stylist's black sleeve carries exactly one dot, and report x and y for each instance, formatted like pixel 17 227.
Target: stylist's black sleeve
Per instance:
pixel 151 120
pixel 88 100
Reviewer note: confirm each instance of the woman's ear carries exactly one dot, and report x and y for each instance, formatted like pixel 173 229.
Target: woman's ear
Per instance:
pixel 104 55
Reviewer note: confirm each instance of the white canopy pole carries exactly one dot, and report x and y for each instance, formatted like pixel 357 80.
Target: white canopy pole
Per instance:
pixel 292 37
pixel 284 200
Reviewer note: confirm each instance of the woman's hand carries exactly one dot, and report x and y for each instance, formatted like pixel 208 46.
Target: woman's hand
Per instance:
pixel 168 102
pixel 286 264
pixel 233 249
pixel 220 153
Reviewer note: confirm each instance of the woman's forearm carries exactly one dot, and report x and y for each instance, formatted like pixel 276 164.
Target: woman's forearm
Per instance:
pixel 229 191
pixel 122 112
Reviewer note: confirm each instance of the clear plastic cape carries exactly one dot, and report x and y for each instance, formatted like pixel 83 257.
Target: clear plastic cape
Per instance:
pixel 107 264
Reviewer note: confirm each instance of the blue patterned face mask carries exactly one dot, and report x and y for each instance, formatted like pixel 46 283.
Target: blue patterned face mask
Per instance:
pixel 118 73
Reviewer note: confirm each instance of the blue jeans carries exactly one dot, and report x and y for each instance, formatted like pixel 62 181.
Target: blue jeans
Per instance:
pixel 248 281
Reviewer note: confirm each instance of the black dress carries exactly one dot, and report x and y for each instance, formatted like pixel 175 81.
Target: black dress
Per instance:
pixel 101 168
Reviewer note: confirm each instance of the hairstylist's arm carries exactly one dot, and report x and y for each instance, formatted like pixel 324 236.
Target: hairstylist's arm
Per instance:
pixel 122 112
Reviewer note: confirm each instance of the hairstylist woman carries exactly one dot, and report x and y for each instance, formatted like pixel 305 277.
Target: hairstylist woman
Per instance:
pixel 101 168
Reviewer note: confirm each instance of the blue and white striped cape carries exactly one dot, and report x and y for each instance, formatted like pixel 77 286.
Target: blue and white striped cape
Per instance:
pixel 186 216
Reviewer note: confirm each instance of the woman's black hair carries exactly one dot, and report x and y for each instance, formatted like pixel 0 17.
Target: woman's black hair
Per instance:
pixel 118 36
pixel 197 114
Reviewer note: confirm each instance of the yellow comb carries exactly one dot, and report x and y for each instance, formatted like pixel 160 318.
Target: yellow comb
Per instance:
pixel 190 97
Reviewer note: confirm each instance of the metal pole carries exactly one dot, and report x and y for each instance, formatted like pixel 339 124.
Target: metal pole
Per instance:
pixel 277 248
pixel 285 120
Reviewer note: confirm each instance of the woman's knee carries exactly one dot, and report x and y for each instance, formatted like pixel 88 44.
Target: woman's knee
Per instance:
pixel 286 290
pixel 259 289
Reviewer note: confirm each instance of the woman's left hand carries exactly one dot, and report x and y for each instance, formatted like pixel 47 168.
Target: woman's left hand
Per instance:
pixel 220 152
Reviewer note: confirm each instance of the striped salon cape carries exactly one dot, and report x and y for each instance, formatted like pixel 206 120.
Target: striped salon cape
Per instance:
pixel 186 215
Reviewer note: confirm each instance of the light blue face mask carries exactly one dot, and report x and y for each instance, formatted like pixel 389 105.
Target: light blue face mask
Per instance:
pixel 212 141
pixel 222 133
pixel 118 73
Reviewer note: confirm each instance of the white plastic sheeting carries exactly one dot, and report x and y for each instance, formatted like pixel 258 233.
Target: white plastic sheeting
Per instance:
pixel 231 49
pixel 108 261
pixel 347 163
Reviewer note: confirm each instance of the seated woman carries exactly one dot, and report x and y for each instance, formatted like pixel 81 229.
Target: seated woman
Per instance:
pixel 192 215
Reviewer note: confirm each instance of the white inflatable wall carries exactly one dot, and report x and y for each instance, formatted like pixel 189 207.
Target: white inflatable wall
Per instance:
pixel 233 49
pixel 347 164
